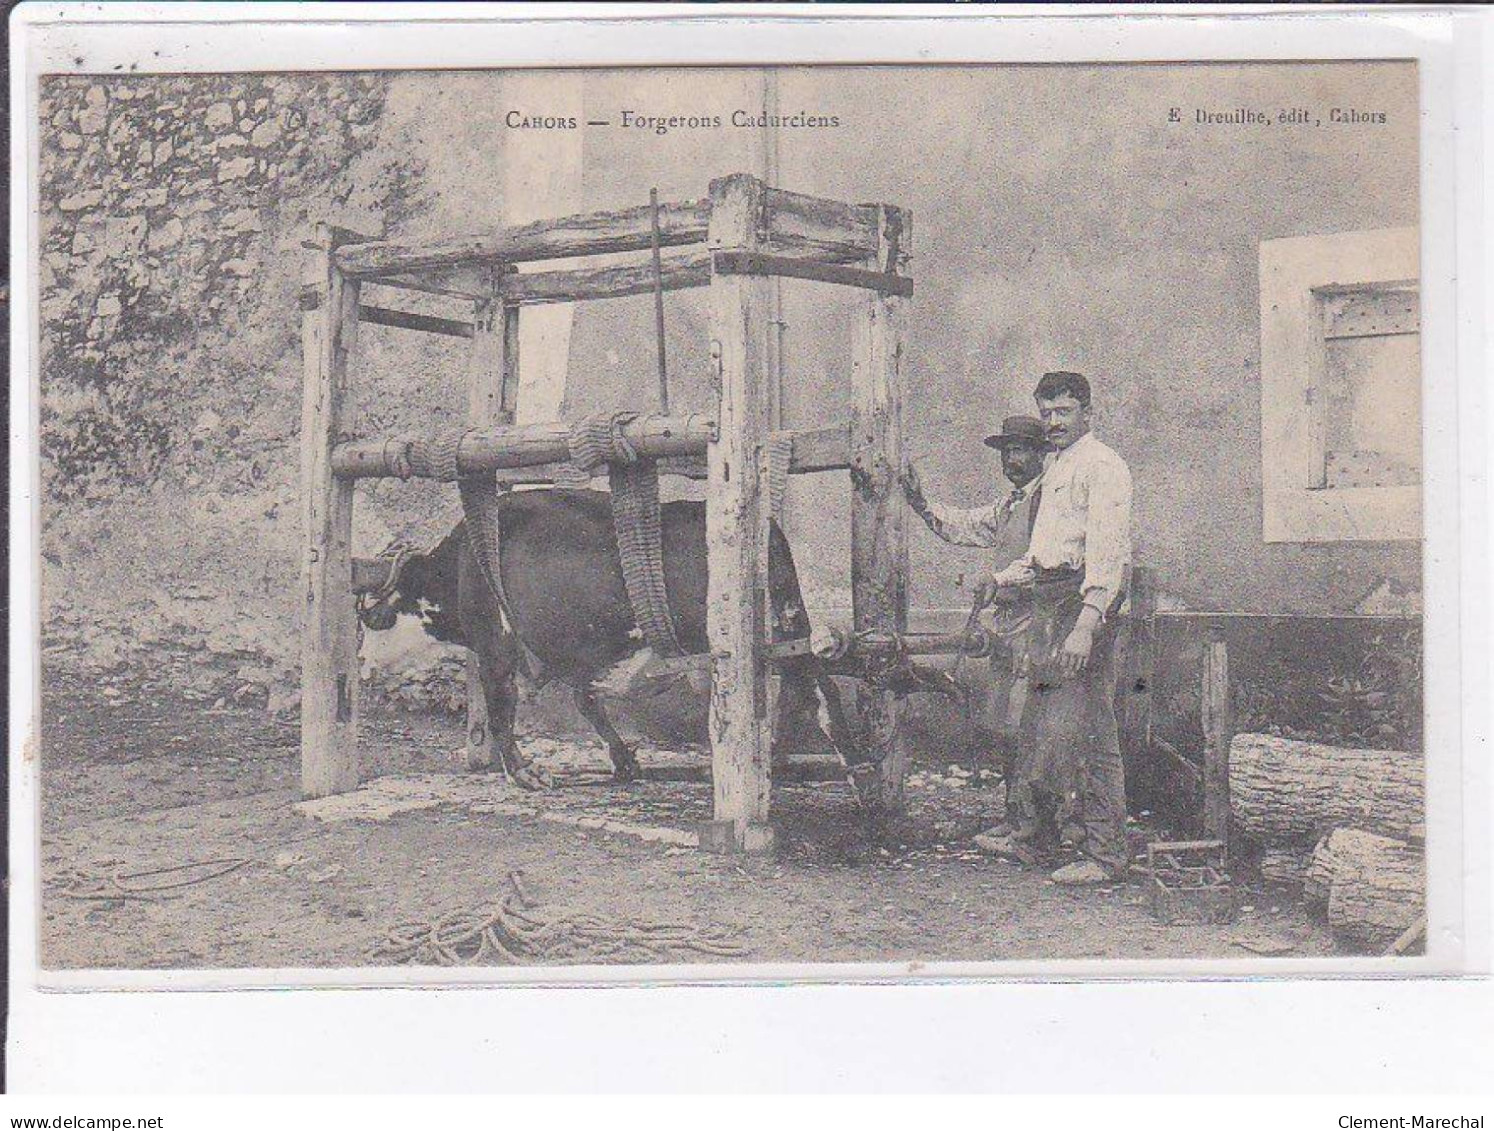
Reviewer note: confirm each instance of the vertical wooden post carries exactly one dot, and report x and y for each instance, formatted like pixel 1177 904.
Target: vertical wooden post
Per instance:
pixel 1218 728
pixel 879 542
pixel 736 533
pixel 329 653
pixel 1136 683
pixel 492 383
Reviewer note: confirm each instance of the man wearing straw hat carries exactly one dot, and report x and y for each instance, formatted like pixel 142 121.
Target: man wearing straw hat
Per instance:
pixel 1022 445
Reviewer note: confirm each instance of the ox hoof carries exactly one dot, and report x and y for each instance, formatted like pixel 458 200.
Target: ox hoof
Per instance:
pixel 531 777
pixel 626 769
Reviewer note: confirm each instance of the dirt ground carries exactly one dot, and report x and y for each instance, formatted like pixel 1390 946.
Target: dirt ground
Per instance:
pixel 135 778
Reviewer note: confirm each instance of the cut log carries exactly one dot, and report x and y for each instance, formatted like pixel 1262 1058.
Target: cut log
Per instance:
pixel 1283 866
pixel 1285 793
pixel 1376 885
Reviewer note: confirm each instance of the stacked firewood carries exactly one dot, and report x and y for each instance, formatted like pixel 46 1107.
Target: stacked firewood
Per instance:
pixel 1346 826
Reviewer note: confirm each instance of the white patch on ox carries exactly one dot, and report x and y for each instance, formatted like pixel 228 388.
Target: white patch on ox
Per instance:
pixel 403 649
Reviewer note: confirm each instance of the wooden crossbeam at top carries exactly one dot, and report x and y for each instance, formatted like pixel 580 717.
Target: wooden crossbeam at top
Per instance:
pixel 808 227
pixel 592 233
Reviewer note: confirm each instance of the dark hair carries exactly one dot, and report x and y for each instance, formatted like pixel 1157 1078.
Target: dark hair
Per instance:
pixel 1057 384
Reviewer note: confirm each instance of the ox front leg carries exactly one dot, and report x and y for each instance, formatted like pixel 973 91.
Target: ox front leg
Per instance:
pixel 624 761
pixel 496 661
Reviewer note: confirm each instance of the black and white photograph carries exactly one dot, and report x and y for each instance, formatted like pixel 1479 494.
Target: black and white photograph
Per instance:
pixel 713 518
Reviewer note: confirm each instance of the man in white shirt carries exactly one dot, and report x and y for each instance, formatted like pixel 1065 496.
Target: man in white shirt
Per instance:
pixel 1077 561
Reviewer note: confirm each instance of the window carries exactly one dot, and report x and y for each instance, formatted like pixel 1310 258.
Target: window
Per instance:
pixel 1341 387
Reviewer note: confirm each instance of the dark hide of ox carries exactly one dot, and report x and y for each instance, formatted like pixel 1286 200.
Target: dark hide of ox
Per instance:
pixel 563 582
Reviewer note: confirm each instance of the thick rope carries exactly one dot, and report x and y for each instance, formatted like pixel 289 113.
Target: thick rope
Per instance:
pixel 484 536
pixel 779 453
pixel 80 883
pixel 637 521
pixel 514 931
pixel 434 459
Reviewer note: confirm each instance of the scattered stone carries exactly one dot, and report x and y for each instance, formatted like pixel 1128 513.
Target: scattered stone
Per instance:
pixel 235 170
pixel 240 267
pixel 124 235
pixel 284 701
pixel 243 220
pixel 164 152
pixel 87 236
pixel 265 134
pixel 95 113
pixel 166 236
pixel 69 141
pixel 108 306
pixel 89 198
pixel 219 114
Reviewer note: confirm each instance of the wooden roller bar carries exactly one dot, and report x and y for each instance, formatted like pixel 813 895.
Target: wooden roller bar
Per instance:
pixel 814 450
pixel 527 445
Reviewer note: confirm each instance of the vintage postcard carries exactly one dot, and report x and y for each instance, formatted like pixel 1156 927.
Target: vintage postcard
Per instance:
pixel 524 523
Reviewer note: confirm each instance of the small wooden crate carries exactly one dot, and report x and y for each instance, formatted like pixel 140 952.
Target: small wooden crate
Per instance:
pixel 1189 883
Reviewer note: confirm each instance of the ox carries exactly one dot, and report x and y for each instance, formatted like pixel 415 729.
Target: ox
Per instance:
pixel 563 583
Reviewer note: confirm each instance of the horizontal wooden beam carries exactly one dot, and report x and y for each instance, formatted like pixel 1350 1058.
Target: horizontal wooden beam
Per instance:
pixel 407 320
pixel 678 273
pixel 754 263
pixel 828 230
pixel 473 282
pixel 814 450
pixel 592 233
pixel 822 449
pixel 521 445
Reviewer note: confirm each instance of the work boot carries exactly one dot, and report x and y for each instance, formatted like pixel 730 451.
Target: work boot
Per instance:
pixel 1081 873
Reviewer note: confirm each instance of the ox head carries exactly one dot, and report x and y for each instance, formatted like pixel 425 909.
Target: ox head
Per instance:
pixel 402 581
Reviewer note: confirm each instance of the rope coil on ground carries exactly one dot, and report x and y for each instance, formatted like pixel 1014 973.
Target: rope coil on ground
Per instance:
pixel 515 932
pixel 80 883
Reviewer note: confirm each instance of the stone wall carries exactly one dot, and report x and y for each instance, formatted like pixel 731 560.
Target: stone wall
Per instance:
pixel 172 211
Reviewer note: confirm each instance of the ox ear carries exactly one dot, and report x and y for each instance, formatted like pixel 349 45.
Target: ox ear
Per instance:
pixel 370 574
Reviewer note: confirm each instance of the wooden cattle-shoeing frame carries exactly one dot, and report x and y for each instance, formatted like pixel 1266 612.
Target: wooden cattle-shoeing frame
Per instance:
pixel 751 233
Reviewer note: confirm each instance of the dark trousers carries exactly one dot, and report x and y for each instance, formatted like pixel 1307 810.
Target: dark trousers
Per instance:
pixel 1069 767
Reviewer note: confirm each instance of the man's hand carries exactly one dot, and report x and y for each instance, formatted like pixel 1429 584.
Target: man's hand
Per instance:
pixel 985 592
pixel 913 489
pixel 1073 657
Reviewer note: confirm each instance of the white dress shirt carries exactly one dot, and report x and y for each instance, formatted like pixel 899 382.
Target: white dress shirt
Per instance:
pixel 1083 522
